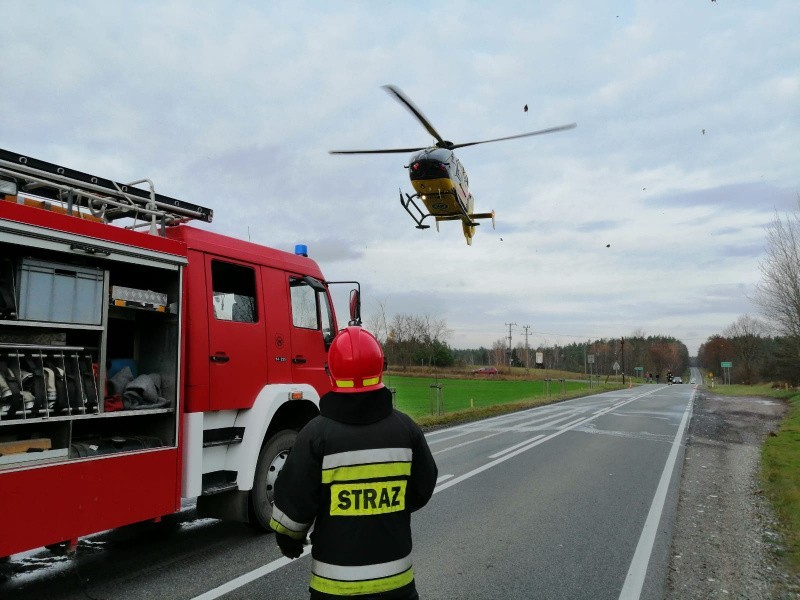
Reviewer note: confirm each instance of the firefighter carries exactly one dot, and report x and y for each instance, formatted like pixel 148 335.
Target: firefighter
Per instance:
pixel 356 473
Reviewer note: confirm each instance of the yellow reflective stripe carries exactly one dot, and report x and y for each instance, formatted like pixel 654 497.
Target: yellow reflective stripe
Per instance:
pixel 365 499
pixel 367 586
pixel 283 524
pixel 371 380
pixel 373 471
pixel 297 535
pixel 345 383
pixel 277 527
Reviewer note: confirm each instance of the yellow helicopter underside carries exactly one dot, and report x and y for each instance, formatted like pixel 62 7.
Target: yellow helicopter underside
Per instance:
pixel 438 195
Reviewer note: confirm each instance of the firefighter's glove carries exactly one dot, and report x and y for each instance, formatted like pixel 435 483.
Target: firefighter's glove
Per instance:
pixel 290 547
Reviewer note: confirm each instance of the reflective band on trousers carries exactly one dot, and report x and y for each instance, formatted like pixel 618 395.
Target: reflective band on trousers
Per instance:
pixel 357 588
pixel 367 579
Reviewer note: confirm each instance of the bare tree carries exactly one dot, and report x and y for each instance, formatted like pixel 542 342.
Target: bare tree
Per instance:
pixel 747 337
pixel 778 293
pixel 499 350
pixel 411 339
pixel 376 322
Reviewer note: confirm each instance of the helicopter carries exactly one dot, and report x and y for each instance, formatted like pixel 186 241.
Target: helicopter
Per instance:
pixel 438 177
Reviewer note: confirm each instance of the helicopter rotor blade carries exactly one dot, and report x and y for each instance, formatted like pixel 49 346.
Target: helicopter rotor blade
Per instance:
pixel 521 135
pixel 406 101
pixel 385 151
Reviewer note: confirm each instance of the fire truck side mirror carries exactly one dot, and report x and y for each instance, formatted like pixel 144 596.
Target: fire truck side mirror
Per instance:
pixel 355 307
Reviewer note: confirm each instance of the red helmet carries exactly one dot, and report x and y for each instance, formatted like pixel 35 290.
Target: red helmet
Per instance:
pixel 355 361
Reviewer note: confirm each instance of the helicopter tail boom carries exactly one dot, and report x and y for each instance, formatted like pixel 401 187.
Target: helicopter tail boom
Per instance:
pixel 489 215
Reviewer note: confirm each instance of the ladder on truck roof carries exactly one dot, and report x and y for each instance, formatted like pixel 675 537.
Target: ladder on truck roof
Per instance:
pixel 103 198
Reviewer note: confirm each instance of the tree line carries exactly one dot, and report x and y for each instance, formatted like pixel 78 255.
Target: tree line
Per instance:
pixel 766 349
pixel 421 340
pixel 755 355
pixel 412 340
pixel 655 354
pixel 759 349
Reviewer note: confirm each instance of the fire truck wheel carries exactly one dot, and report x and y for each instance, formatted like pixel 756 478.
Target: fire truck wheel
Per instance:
pixel 6 569
pixel 271 459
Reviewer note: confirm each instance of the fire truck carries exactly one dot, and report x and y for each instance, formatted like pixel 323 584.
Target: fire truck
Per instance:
pixel 144 360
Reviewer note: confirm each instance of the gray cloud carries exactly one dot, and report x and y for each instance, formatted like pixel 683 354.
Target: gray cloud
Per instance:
pixel 236 109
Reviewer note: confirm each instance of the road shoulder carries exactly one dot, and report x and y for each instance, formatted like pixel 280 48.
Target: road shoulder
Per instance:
pixel 725 542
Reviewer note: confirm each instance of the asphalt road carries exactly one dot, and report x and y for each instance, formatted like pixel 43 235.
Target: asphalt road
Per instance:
pixel 572 500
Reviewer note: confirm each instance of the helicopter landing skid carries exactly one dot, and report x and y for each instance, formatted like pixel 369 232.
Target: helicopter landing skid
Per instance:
pixel 409 202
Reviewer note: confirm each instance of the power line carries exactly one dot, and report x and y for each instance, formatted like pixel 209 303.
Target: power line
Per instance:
pixel 509 325
pixel 527 329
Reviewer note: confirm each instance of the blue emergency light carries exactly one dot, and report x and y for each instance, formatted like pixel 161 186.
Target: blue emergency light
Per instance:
pixel 301 250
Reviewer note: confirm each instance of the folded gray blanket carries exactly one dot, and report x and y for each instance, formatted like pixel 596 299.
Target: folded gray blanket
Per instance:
pixel 144 392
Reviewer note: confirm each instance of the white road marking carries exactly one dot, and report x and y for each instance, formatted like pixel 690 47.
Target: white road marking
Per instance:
pixel 467 443
pixel 442 483
pixel 497 461
pixel 515 446
pixel 634 580
pixel 571 424
pixel 248 577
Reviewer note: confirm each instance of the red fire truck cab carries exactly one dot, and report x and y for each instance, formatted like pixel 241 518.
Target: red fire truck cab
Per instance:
pixel 138 368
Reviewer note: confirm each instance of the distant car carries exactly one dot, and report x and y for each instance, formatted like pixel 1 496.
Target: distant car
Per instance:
pixel 485 371
pixel 677 380
pixel 693 381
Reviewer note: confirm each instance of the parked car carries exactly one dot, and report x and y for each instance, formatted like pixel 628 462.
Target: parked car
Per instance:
pixel 677 380
pixel 693 381
pixel 485 371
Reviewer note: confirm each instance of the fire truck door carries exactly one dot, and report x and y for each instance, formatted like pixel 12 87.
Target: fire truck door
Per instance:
pixel 312 331
pixel 237 346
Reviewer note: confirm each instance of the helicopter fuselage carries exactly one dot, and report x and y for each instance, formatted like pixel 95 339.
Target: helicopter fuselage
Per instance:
pixel 438 177
pixel 441 182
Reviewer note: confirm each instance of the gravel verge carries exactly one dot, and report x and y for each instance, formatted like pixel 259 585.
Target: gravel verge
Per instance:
pixel 725 541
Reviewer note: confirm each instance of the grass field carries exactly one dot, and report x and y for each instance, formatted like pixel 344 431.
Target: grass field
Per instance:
pixel 415 396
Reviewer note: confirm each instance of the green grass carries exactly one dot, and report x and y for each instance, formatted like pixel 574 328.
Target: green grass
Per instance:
pixel 764 389
pixel 780 472
pixel 474 398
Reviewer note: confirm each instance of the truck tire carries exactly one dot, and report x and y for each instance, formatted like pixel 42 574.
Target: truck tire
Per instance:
pixel 270 462
pixel 6 568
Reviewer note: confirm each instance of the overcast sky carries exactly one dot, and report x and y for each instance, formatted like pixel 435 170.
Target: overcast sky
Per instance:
pixel 634 221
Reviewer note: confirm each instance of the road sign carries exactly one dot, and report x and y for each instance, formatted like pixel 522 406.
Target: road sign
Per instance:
pixel 616 366
pixel 726 364
pixel 590 359
pixel 638 368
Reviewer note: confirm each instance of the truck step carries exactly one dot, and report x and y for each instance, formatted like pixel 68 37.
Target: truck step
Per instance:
pixel 217 482
pixel 224 436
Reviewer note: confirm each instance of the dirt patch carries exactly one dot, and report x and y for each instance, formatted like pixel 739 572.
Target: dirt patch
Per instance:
pixel 725 542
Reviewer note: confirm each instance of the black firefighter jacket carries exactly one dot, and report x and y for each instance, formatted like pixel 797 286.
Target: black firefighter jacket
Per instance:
pixel 356 472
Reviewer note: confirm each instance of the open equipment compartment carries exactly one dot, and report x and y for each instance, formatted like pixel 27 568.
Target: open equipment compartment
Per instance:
pixel 64 333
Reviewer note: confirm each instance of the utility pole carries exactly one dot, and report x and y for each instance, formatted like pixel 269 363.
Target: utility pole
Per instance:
pixel 509 325
pixel 622 350
pixel 527 329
